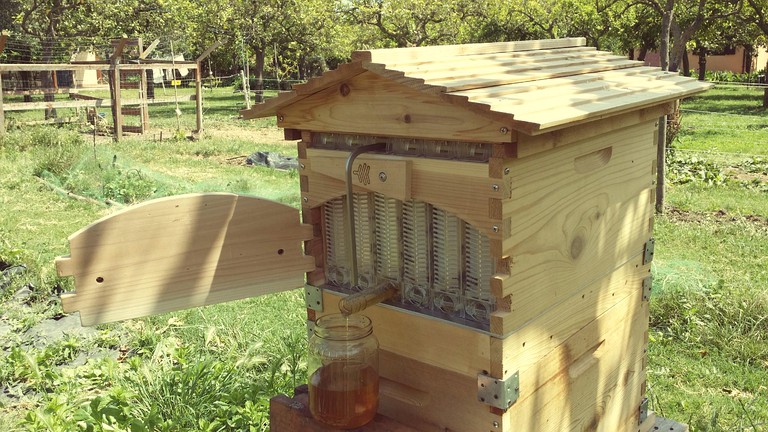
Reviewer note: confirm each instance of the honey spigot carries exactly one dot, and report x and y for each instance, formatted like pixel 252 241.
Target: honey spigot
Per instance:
pixel 357 302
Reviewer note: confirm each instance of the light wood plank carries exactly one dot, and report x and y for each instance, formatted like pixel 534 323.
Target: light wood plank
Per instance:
pixel 372 105
pixel 439 62
pixel 451 404
pixel 386 55
pixel 529 145
pixel 367 173
pixel 461 188
pixel 575 213
pixel 616 103
pixel 524 74
pixel 592 381
pixel 182 252
pixel 438 343
pixel 523 347
pixel 514 66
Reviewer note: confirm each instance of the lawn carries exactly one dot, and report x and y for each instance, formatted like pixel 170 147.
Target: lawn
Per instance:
pixel 708 356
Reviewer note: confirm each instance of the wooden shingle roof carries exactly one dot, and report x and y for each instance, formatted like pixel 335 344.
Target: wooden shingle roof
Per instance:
pixel 535 86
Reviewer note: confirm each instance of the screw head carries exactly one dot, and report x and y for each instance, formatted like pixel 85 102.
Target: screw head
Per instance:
pixel 383 176
pixel 302 166
pixel 306 199
pixel 280 117
pixel 495 187
pixel 506 171
pixel 495 228
pixel 495 424
pixel 503 130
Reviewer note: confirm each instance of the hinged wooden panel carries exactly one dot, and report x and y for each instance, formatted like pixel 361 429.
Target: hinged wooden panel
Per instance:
pixel 181 252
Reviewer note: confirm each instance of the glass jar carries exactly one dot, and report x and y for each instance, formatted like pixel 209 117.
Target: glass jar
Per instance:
pixel 343 369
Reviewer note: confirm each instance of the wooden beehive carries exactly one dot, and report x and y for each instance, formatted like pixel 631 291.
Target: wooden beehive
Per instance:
pixel 510 197
pixel 547 149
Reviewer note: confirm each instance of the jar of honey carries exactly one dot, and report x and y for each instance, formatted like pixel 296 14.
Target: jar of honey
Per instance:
pixel 343 369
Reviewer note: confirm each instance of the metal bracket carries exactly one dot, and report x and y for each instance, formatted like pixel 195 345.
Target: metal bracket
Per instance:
pixel 313 296
pixel 647 286
pixel 643 411
pixel 498 393
pixel 648 251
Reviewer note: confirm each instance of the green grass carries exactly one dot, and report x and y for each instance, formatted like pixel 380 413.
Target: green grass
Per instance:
pixel 727 119
pixel 231 358
pixel 708 355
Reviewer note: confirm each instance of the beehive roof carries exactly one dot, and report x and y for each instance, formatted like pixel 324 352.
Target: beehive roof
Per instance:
pixel 536 86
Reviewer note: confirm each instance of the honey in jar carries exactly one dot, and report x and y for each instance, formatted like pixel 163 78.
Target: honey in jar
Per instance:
pixel 343 371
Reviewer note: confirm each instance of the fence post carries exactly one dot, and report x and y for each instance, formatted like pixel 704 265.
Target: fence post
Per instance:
pixel 2 112
pixel 199 98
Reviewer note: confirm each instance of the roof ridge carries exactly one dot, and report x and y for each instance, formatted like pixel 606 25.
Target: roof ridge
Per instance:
pixel 424 53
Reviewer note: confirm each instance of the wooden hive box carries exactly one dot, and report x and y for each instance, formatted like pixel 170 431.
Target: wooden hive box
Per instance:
pixel 507 190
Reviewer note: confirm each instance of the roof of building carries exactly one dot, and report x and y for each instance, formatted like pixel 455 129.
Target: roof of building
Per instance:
pixel 536 86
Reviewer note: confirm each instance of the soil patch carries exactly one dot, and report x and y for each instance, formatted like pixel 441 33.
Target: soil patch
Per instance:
pixel 721 216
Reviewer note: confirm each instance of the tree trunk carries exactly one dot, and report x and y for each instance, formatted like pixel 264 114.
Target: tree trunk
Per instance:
pixel 765 92
pixel 686 64
pixel 702 63
pixel 46 78
pixel 748 52
pixel 641 55
pixel 666 24
pixel 259 74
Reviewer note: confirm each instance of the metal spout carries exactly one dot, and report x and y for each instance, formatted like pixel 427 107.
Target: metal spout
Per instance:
pixel 357 302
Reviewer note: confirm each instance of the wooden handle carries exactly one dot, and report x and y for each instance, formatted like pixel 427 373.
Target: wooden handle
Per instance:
pixel 592 161
pixel 357 302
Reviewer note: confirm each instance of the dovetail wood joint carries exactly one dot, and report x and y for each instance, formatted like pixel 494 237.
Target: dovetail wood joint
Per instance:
pixel 313 297
pixel 498 393
pixel 648 251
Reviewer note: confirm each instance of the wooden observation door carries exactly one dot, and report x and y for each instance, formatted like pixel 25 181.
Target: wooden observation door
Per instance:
pixel 182 252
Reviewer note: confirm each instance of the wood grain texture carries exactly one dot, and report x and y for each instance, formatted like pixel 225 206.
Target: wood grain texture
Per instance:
pixel 528 145
pixel 593 380
pixel 443 51
pixel 182 252
pixel 569 226
pixel 293 415
pixel 533 87
pixel 427 340
pixel 462 188
pixel 372 105
pixel 387 176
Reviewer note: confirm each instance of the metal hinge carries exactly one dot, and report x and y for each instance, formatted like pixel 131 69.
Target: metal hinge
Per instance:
pixel 498 393
pixel 648 251
pixel 313 297
pixel 647 286
pixel 643 411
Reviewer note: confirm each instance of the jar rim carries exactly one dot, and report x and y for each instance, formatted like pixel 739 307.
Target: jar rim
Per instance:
pixel 342 327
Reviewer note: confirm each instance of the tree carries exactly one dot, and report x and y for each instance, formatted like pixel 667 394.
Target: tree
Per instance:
pixel 410 23
pixel 681 20
pixel 758 15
